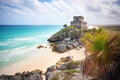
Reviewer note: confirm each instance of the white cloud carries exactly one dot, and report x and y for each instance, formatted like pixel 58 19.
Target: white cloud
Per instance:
pixel 58 11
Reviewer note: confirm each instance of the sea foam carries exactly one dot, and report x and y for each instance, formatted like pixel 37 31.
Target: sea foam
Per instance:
pixel 7 55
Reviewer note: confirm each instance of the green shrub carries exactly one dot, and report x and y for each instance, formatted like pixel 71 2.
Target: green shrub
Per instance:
pixel 72 65
pixel 67 74
pixel 103 47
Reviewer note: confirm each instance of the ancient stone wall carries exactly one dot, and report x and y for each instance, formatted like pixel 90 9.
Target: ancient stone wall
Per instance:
pixel 78 21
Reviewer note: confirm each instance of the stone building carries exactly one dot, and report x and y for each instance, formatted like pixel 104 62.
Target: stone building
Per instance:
pixel 78 21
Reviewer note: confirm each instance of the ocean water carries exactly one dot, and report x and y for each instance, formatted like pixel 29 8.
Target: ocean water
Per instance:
pixel 17 40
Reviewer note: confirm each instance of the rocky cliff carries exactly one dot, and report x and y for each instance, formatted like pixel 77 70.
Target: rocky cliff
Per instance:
pixel 67 32
pixel 66 39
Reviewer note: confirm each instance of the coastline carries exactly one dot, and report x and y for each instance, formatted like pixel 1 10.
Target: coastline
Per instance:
pixel 41 59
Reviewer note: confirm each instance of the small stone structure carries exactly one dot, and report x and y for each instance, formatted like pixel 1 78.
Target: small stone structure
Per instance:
pixel 78 21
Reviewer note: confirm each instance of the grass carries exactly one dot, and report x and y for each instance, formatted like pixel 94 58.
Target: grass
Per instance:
pixel 72 65
pixel 64 30
pixel 67 74
pixel 55 77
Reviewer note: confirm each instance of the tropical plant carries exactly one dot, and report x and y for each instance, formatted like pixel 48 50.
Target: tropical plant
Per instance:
pixel 65 25
pixel 103 46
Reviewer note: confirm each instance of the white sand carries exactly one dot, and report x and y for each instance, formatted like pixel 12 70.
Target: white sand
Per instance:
pixel 41 59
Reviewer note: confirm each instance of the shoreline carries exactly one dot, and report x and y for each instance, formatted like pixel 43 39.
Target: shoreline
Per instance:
pixel 41 59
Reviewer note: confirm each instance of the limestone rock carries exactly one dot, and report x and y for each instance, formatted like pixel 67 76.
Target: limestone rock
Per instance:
pixel 52 68
pixel 49 75
pixel 67 69
pixel 16 78
pixel 70 47
pixel 67 39
pixel 33 75
pixel 79 76
pixel 65 59
pixel 37 71
pixel 61 67
pixel 40 46
pixel 5 77
pixel 69 33
pixel 77 48
pixel 61 48
pixel 75 44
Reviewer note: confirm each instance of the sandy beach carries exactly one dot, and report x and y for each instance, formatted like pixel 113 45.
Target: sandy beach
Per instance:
pixel 41 59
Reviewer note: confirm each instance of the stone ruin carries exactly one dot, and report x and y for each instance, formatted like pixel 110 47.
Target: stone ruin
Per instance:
pixel 78 21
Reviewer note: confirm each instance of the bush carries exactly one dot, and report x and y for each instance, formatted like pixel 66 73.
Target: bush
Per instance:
pixel 72 65
pixel 104 48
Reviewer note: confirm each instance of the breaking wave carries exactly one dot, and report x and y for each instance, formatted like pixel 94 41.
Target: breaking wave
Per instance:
pixel 7 55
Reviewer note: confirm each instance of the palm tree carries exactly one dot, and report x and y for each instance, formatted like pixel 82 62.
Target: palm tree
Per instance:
pixel 103 47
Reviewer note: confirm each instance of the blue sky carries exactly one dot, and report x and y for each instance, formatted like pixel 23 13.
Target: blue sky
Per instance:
pixel 58 12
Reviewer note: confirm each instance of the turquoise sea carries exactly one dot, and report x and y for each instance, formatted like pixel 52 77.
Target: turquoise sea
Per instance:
pixel 16 40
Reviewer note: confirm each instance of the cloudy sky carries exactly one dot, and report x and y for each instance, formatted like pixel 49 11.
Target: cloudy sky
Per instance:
pixel 58 12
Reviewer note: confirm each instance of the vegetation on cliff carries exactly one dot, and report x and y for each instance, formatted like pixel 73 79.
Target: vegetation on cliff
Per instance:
pixel 66 32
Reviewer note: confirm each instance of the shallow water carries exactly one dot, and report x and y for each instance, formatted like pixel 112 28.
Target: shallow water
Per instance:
pixel 17 41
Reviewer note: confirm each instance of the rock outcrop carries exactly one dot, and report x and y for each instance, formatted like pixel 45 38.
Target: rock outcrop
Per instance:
pixel 66 44
pixel 61 48
pixel 65 69
pixel 66 39
pixel 68 32
pixel 33 75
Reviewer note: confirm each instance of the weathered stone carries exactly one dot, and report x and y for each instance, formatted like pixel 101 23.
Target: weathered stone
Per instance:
pixel 60 62
pixel 74 40
pixel 18 74
pixel 61 48
pixel 65 59
pixel 69 47
pixel 16 78
pixel 54 39
pixel 61 67
pixel 69 43
pixel 77 76
pixel 77 48
pixel 75 44
pixel 50 75
pixel 63 42
pixel 5 77
pixel 52 68
pixel 37 71
pixel 61 77
pixel 40 46
pixel 78 21
pixel 27 74
pixel 68 59
pixel 62 59
pixel 80 46
pixel 33 75
pixel 67 39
